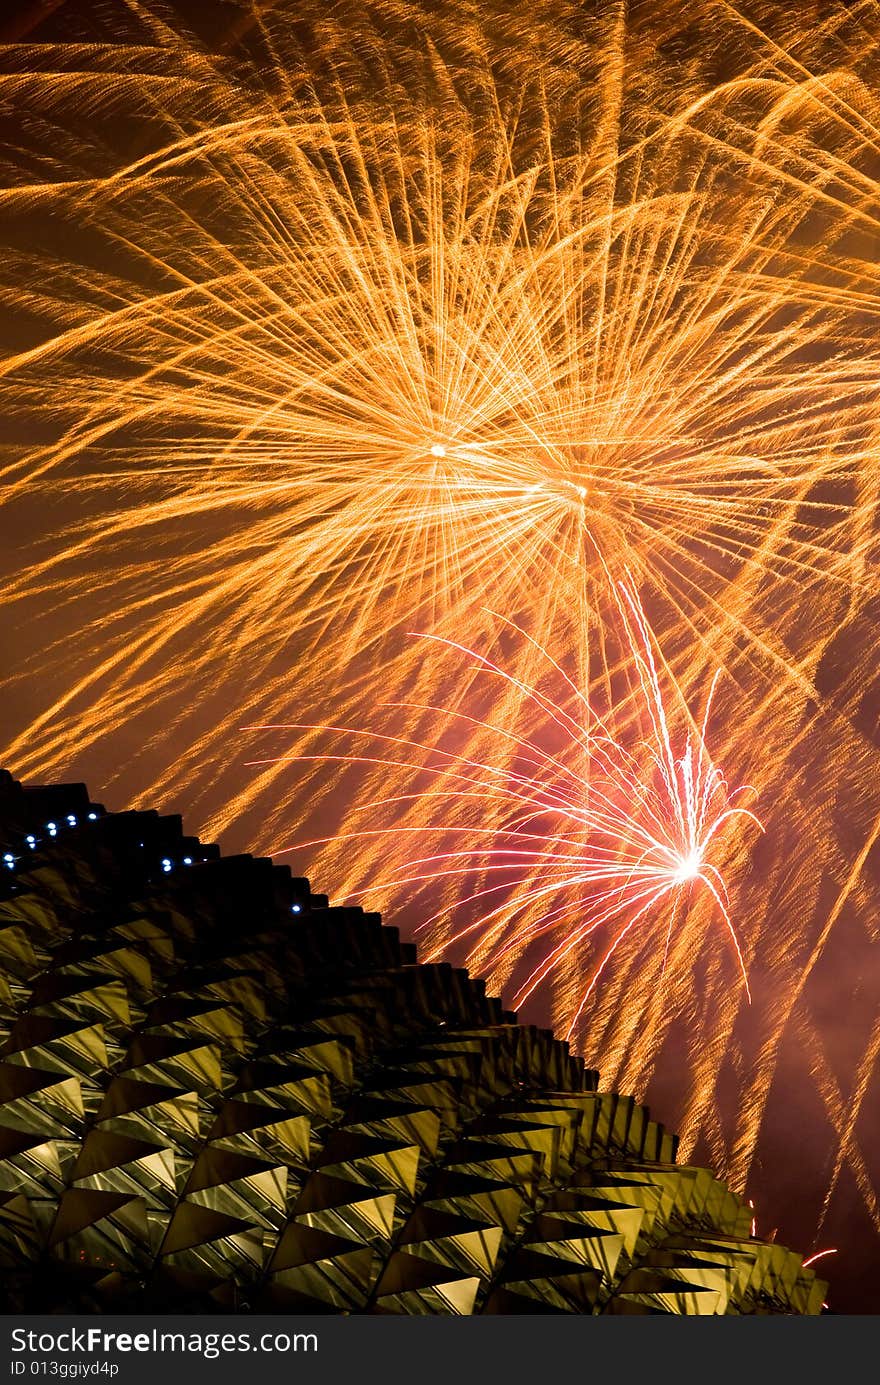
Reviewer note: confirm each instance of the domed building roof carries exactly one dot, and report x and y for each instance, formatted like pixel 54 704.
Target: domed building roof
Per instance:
pixel 218 1093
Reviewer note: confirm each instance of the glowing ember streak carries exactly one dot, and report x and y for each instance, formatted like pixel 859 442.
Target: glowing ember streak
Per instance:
pixel 820 1254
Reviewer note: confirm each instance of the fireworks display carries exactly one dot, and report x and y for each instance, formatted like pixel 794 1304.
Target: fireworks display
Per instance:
pixel 594 841
pixel 549 332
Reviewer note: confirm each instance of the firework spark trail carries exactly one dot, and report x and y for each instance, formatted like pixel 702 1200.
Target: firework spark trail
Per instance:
pixel 308 362
pixel 849 1151
pixel 840 1111
pixel 378 369
pixel 595 838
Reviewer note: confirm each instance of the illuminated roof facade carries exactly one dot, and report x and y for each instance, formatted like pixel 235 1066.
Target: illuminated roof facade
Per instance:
pixel 217 1092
